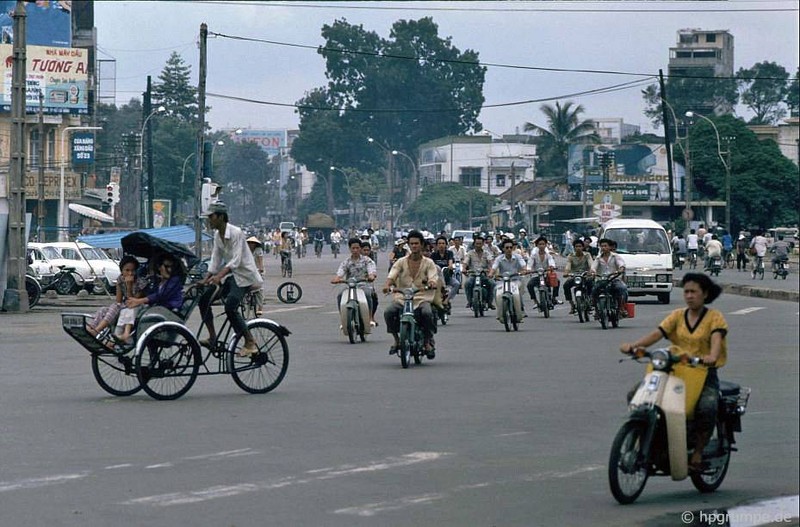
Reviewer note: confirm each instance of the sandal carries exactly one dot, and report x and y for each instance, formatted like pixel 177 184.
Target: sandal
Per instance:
pixel 207 343
pixel 393 349
pixel 248 350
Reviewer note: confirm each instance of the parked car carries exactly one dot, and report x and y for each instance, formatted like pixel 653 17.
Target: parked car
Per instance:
pixel 90 263
pixel 40 264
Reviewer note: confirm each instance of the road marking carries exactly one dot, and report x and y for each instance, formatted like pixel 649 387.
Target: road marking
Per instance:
pixel 513 434
pixel 224 454
pixel 35 483
pixel 113 467
pixel 746 311
pixel 159 465
pixel 371 509
pixel 778 510
pixel 287 309
pixel 224 491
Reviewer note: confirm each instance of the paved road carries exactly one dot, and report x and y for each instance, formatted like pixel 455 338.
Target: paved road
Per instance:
pixel 501 429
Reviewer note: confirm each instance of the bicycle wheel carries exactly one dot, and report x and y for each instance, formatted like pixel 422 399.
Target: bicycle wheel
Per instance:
pixel 283 268
pixel 406 335
pixel 544 304
pixel 507 314
pixel 352 328
pixel 289 292
pixel 115 374
pixel 168 364
pixel 264 371
pixel 249 305
pixel 627 473
pixel 67 285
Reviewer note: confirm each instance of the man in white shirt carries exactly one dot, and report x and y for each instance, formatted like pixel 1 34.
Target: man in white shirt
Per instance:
pixel 541 259
pixel 609 262
pixel 713 250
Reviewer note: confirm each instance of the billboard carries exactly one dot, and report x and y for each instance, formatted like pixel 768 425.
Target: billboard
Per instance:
pixel 270 141
pixel 60 73
pixel 607 205
pixel 49 23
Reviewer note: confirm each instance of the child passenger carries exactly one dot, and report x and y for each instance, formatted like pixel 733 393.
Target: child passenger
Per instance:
pixel 106 316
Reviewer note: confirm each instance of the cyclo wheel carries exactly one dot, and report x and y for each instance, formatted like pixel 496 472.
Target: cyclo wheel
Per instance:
pixel 115 374
pixel 406 335
pixel 289 292
pixel 544 304
pixel 34 291
pixel 264 371
pixel 168 363
pixel 627 474
pixel 352 328
pixel 507 314
pixel 67 285
pixel 709 481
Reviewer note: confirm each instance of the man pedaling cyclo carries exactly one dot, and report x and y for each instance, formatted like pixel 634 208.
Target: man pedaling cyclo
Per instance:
pixel 416 271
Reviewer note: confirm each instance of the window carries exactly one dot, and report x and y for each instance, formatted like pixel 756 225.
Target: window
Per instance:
pixel 470 176
pixel 711 37
pixel 33 148
pixel 500 180
pixel 51 147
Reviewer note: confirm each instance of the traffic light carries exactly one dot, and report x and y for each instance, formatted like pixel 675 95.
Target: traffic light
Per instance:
pixel 209 193
pixel 208 153
pixel 109 194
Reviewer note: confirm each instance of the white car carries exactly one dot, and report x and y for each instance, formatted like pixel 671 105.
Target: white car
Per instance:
pixel 90 263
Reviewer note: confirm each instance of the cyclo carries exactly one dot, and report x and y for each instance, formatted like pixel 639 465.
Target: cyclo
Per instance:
pixel 165 359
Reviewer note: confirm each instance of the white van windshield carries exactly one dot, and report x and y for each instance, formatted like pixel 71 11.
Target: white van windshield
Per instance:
pixel 639 241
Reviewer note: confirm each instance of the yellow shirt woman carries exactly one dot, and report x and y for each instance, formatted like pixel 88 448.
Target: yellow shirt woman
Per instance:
pixel 696 341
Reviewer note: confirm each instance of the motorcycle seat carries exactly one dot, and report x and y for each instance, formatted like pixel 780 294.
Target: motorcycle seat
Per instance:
pixel 729 388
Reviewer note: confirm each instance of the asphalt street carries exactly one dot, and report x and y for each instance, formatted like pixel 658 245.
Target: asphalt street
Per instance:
pixel 501 429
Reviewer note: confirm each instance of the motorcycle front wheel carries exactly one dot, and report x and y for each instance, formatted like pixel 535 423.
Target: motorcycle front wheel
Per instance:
pixel 602 312
pixel 544 304
pixel 627 473
pixel 406 335
pixel 508 315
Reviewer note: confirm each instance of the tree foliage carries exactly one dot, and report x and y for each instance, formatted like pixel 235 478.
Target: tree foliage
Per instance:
pixel 699 92
pixel 564 127
pixel 764 88
pixel 174 90
pixel 792 99
pixel 448 202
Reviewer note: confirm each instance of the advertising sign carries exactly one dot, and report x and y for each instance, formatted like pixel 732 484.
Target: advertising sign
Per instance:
pixel 61 74
pixel 270 141
pixel 82 148
pixel 607 205
pixel 162 213
pixel 49 23
pixel 52 185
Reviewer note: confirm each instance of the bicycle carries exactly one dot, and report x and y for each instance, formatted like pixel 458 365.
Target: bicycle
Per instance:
pixel 758 267
pixel 289 292
pixel 286 264
pixel 692 259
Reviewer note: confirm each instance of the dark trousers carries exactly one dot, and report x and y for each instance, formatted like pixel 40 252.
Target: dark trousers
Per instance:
pixel 570 282
pixel 533 285
pixel 423 314
pixel 488 288
pixel 232 296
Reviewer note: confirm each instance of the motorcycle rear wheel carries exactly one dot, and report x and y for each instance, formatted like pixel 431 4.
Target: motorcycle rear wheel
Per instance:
pixel 710 481
pixel 627 474
pixel 67 285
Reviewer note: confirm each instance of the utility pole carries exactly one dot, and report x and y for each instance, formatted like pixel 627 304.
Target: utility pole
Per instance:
pixel 146 145
pixel 667 142
pixel 511 214
pixel 151 187
pixel 201 129
pixel 728 183
pixel 40 212
pixel 16 296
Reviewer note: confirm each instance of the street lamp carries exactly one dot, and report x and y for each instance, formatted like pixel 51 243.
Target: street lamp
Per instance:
pixel 390 177
pixel 415 183
pixel 725 163
pixel 146 211
pixel 349 191
pixel 62 212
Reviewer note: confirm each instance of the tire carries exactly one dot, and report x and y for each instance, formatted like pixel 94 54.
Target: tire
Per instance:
pixel 405 344
pixel 625 484
pixel 710 482
pixel 477 303
pixel 663 298
pixel 352 325
pixel 508 314
pixel 290 292
pixel 580 309
pixel 67 285
pixel 115 374
pixel 289 269
pixel 168 364
pixel 34 291
pixel 264 371
pixel 602 312
pixel 544 304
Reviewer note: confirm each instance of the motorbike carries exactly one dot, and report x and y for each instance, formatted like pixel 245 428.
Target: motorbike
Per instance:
pixel 678 260
pixel 607 308
pixel 543 296
pixel 653 440
pixel 457 274
pixel 479 294
pixel 508 302
pixel 354 311
pixel 67 281
pixel 715 267
pixel 318 248
pixel 412 340
pixel 781 269
pixel 335 249
pixel 580 296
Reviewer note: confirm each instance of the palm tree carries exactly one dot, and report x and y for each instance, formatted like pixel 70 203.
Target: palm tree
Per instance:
pixel 564 127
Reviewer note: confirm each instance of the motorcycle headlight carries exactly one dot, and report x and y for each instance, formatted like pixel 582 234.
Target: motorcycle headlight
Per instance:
pixel 660 359
pixel 578 280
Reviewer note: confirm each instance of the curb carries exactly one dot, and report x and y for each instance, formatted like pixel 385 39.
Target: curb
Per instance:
pixel 753 291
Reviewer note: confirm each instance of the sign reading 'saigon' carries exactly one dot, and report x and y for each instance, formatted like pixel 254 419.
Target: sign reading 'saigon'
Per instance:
pixel 61 74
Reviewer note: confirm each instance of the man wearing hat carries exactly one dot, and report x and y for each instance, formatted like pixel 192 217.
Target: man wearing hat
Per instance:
pixel 258 255
pixel 234 269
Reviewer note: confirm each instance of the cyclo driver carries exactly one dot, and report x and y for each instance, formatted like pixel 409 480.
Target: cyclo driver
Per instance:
pixel 416 271
pixel 478 258
pixel 234 268
pixel 360 268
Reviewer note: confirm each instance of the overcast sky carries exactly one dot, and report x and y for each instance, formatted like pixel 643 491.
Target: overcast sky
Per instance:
pixel 631 37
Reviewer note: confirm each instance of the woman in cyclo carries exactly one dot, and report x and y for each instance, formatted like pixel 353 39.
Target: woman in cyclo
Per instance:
pixel 167 297
pixel 695 331
pixel 106 316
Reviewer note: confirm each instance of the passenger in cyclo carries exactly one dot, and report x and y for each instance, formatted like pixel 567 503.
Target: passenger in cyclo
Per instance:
pixel 164 299
pixel 416 271
pixel 509 262
pixel 609 262
pixel 577 263
pixel 696 331
pixel 361 268
pixel 478 258
pixel 106 316
pixel 233 268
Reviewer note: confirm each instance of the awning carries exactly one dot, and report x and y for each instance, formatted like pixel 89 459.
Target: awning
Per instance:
pixel 113 240
pixel 89 212
pixel 591 219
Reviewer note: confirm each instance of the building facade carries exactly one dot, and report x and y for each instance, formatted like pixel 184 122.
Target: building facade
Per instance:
pixel 699 51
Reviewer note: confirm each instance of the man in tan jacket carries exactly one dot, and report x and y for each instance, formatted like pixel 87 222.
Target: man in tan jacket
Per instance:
pixel 420 272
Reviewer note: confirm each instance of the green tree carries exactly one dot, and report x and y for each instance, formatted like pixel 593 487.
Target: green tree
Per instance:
pixel 763 88
pixel 700 92
pixel 174 90
pixel 564 128
pixel 764 188
pixel 792 98
pixel 448 202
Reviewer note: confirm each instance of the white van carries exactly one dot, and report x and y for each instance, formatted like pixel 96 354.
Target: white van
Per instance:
pixel 646 250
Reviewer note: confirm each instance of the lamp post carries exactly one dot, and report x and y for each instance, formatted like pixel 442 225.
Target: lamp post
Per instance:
pixel 183 176
pixel 725 164
pixel 390 178
pixel 62 213
pixel 415 183
pixel 349 192
pixel 146 210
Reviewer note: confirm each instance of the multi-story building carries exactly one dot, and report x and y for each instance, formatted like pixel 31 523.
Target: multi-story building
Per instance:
pixel 699 52
pixel 613 130
pixel 786 134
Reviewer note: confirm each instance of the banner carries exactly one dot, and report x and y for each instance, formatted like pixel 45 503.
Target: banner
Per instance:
pixel 162 213
pixel 61 74
pixel 49 23
pixel 270 141
pixel 82 148
pixel 607 205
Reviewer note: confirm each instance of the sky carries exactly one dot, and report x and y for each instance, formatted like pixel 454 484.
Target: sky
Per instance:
pixel 628 36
